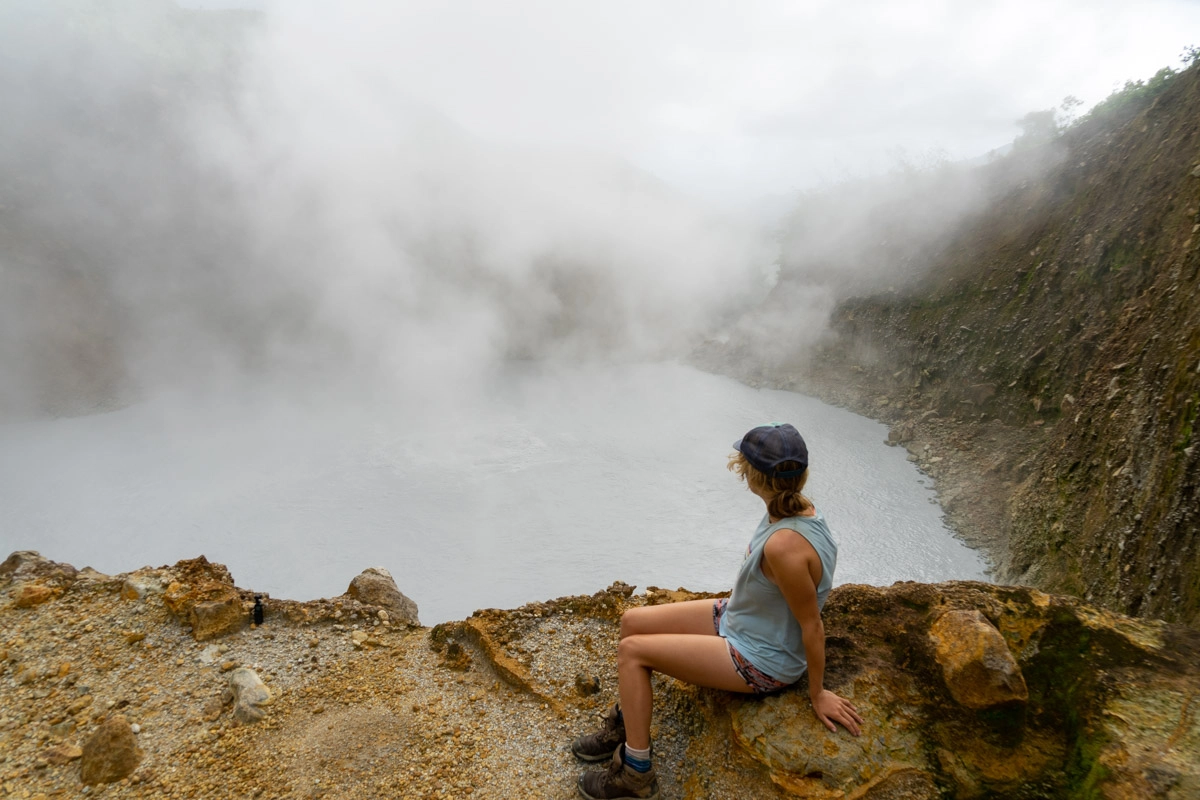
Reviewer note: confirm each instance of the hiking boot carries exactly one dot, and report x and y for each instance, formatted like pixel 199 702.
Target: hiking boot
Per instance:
pixel 601 745
pixel 618 780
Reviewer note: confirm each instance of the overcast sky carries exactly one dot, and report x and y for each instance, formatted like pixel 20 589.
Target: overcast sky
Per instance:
pixel 737 100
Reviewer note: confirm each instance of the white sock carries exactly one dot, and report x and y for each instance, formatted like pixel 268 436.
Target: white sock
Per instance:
pixel 642 756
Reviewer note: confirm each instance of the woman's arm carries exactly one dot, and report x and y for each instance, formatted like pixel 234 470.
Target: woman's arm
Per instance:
pixel 792 564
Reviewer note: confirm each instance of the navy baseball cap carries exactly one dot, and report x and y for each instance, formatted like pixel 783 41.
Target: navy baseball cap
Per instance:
pixel 768 446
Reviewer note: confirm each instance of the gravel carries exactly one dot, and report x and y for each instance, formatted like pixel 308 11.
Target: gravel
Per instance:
pixel 483 708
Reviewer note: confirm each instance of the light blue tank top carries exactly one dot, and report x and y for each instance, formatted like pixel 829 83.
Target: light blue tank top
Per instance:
pixel 757 620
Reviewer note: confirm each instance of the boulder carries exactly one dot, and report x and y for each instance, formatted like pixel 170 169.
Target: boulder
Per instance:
pixel 375 586
pixel 203 595
pixel 977 666
pixel 110 754
pixel 901 432
pixel 248 694
pixel 212 609
pixel 217 616
pixel 27 566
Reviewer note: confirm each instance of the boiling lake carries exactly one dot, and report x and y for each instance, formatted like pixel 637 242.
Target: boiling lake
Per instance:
pixel 547 482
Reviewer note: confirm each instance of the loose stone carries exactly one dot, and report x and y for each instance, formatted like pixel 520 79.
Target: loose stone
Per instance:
pixel 110 754
pixel 250 694
pixel 62 754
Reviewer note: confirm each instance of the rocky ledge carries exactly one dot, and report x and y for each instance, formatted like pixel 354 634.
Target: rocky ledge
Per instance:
pixel 157 684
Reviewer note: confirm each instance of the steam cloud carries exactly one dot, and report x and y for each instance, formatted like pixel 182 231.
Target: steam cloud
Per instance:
pixel 191 198
pixel 371 194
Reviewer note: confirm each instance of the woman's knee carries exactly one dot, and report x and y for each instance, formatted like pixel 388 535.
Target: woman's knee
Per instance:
pixel 632 621
pixel 630 650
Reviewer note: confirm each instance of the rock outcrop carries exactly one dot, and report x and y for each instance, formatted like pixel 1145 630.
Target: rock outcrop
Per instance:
pixel 968 690
pixel 987 691
pixel 203 595
pixel 27 567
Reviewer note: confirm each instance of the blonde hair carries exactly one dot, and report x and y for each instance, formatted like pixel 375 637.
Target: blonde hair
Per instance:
pixel 783 495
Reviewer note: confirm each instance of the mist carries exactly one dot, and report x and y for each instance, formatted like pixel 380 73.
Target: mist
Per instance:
pixel 200 199
pixel 398 199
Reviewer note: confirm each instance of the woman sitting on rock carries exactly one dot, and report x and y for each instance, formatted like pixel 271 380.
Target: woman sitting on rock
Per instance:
pixel 762 639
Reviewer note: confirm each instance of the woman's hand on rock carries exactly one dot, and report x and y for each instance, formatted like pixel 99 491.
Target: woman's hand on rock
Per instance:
pixel 831 709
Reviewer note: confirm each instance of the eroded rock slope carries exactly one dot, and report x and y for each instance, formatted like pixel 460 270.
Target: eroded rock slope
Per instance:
pixel 1052 351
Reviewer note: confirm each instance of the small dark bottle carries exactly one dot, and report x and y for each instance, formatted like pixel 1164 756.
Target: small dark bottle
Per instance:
pixel 258 609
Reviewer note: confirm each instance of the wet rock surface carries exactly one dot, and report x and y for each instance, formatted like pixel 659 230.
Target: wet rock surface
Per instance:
pixel 455 711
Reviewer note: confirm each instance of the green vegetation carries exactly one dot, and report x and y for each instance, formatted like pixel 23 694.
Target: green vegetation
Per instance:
pixel 1132 97
pixel 1041 127
pixel 1190 413
pixel 1038 128
pixel 1115 257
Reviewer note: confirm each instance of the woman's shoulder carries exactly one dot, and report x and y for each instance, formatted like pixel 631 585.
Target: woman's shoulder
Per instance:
pixel 812 515
pixel 813 526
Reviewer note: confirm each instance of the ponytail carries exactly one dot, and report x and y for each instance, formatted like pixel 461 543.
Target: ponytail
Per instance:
pixel 784 496
pixel 788 503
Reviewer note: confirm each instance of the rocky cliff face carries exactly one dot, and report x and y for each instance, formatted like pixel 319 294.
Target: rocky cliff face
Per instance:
pixel 1059 330
pixel 967 690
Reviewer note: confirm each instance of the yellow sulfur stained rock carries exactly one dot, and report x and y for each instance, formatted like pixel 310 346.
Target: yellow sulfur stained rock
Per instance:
pixel 217 617
pixel 1151 735
pixel 976 664
pixel 34 594
pixel 209 602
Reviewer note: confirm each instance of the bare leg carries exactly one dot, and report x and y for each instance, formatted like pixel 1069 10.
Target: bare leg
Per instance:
pixel 699 659
pixel 690 616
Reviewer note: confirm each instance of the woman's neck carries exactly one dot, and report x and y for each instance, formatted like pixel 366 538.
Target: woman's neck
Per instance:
pixel 810 511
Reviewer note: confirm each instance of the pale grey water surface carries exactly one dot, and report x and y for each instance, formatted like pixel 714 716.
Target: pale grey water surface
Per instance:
pixel 555 482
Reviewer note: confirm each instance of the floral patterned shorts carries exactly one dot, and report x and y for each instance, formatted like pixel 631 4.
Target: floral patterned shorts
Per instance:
pixel 756 679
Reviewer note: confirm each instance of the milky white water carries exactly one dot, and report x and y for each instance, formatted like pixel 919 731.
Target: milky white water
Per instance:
pixel 555 482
